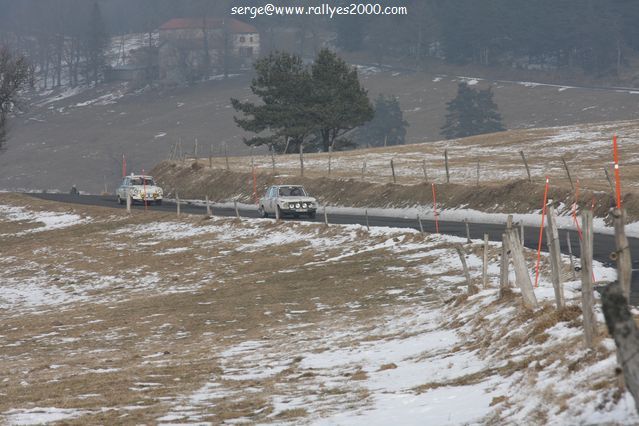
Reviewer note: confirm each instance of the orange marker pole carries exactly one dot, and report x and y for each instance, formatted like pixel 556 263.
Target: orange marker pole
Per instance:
pixel 617 177
pixel 574 210
pixel 541 233
pixel 435 208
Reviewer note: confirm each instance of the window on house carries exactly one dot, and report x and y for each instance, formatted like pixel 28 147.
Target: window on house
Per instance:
pixel 242 39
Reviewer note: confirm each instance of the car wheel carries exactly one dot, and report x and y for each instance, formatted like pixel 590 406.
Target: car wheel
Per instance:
pixel 120 200
pixel 263 212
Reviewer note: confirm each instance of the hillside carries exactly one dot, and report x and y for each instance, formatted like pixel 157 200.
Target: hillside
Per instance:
pixel 113 318
pixel 78 136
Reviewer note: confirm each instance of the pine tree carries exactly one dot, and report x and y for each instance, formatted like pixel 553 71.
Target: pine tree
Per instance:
pixel 472 112
pixel 387 127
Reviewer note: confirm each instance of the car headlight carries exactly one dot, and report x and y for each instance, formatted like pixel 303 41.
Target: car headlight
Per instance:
pixel 297 205
pixel 303 205
pixel 285 205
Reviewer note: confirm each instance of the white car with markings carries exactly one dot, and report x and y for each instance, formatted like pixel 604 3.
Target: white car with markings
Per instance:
pixel 141 188
pixel 280 200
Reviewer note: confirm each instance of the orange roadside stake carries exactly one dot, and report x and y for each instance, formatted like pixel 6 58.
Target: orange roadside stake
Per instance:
pixel 541 233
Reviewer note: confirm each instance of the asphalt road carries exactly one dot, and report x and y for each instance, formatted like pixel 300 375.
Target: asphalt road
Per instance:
pixel 603 244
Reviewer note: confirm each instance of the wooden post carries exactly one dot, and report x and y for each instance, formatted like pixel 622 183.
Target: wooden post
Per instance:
pixel 468 241
pixel 368 228
pixel 462 257
pixel 363 169
pixel 552 237
pixel 622 327
pixel 622 253
pixel 521 230
pixel 446 163
pixel 522 277
pixel 128 202
pixel 484 270
pixel 277 213
pixel 226 155
pixel 572 264
pixel 195 150
pixel 211 156
pixel 177 203
pixel 302 159
pixel 237 211
pixel 587 297
pixel 208 206
pixel 421 226
pixel 273 158
pixel 509 221
pixel 424 169
pixel 330 156
pixel 568 172
pixel 393 171
pixel 612 188
pixel 523 157
pixel 503 270
pixel 325 217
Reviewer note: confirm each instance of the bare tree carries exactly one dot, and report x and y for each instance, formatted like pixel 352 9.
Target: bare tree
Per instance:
pixel 15 74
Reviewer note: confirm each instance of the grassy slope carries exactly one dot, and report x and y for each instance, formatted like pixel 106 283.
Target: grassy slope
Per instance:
pixel 59 144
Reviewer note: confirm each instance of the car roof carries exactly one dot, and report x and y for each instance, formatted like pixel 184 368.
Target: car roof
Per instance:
pixel 286 186
pixel 140 176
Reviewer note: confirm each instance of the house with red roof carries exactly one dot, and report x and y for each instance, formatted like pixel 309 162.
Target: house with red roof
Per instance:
pixel 195 48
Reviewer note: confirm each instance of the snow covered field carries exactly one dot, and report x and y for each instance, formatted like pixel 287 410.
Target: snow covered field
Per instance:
pixel 107 318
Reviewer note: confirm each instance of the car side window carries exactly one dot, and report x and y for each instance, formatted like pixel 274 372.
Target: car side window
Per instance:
pixel 273 193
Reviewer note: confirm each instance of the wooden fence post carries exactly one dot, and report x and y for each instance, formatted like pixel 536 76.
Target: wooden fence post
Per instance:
pixel 393 170
pixel 128 202
pixel 424 170
pixel 522 277
pixel 195 150
pixel 237 211
pixel 302 159
pixel 330 157
pixel 568 172
pixel 622 326
pixel 509 221
pixel 446 163
pixel 363 169
pixel 523 157
pixel 208 206
pixel 521 230
pixel 484 269
pixel 622 253
pixel 226 155
pixel 503 270
pixel 572 262
pixel 468 241
pixel 368 228
pixel 612 189
pixel 211 156
pixel 273 158
pixel 421 226
pixel 277 214
pixel 325 217
pixel 462 257
pixel 587 297
pixel 552 239
pixel 177 204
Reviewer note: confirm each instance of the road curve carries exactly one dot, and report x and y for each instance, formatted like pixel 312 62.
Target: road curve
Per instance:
pixel 603 244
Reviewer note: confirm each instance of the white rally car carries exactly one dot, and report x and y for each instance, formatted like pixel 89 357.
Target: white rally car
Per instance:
pixel 280 200
pixel 140 188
